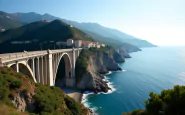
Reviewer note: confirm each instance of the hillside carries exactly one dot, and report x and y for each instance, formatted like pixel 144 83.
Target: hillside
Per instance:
pixel 8 21
pixel 114 43
pixel 19 92
pixel 104 32
pixel 110 34
pixel 39 33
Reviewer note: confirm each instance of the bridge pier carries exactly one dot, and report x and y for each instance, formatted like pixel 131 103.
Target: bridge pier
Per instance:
pixel 45 69
pixel 50 69
pixel 70 82
pixel 33 66
pixel 42 70
pixel 17 67
pixel 37 70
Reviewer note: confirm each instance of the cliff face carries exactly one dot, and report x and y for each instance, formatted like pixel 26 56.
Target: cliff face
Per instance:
pixel 18 91
pixel 23 102
pixel 123 51
pixel 97 64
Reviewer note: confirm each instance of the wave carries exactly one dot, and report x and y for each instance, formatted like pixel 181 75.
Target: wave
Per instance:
pixel 86 102
pixel 120 71
pixel 86 94
pixel 108 73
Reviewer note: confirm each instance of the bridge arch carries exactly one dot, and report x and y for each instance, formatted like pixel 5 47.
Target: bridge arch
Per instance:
pixel 23 67
pixel 68 67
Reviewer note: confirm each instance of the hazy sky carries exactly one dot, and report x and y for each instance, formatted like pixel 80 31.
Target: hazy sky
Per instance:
pixel 161 22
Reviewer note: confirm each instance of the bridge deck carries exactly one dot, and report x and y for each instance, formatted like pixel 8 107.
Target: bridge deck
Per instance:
pixel 22 55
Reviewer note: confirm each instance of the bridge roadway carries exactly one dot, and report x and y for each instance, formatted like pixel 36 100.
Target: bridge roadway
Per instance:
pixel 42 66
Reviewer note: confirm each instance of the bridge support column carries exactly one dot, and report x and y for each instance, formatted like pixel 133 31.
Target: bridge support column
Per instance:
pixel 54 64
pixel 45 69
pixel 73 64
pixel 37 70
pixel 70 82
pixel 78 51
pixel 41 71
pixel 50 69
pixel 33 67
pixel 17 67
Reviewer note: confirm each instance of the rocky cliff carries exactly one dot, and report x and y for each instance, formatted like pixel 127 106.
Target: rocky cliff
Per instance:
pixel 127 48
pixel 19 92
pixel 98 63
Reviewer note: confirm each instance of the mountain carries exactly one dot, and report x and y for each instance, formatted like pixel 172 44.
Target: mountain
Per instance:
pixel 103 32
pixel 33 17
pixel 108 33
pixel 8 21
pixel 37 34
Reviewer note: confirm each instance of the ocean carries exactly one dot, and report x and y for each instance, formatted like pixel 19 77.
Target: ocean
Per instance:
pixel 153 69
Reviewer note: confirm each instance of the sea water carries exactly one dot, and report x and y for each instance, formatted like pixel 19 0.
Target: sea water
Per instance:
pixel 153 69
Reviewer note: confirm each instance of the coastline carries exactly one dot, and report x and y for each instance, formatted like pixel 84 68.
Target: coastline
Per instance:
pixel 79 97
pixel 84 99
pixel 73 93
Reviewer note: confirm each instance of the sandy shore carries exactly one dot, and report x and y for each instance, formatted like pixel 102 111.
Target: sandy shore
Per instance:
pixel 75 94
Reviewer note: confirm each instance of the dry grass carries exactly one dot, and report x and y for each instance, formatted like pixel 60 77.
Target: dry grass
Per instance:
pixel 6 110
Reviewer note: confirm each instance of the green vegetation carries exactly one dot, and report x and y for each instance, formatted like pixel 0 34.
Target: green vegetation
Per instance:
pixel 106 49
pixel 81 64
pixel 49 100
pixel 169 102
pixel 82 60
pixel 41 34
pixel 9 85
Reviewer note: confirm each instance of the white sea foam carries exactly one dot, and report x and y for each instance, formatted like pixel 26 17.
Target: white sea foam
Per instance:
pixel 108 73
pixel 86 103
pixel 110 84
pixel 120 71
pixel 88 93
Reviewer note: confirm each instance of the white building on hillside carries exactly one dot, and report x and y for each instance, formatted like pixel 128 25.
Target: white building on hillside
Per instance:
pixel 103 45
pixel 70 42
pixel 98 45
pixel 78 43
pixel 87 46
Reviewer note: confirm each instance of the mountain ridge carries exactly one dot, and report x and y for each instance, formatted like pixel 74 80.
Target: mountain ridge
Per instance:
pixel 96 28
pixel 37 33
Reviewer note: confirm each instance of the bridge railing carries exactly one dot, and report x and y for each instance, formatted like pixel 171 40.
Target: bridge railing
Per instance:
pixel 20 55
pixel 15 56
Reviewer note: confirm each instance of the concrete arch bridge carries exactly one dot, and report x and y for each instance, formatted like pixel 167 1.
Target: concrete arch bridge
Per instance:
pixel 42 66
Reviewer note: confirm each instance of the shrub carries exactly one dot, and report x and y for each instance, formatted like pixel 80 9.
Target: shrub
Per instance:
pixel 9 78
pixel 16 84
pixel 169 102
pixel 48 99
pixel 4 71
pixel 25 91
pixel 4 92
pixel 73 106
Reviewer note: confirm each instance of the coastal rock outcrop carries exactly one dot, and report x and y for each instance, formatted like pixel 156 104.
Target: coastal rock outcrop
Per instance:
pixel 23 102
pixel 123 51
pixel 97 64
